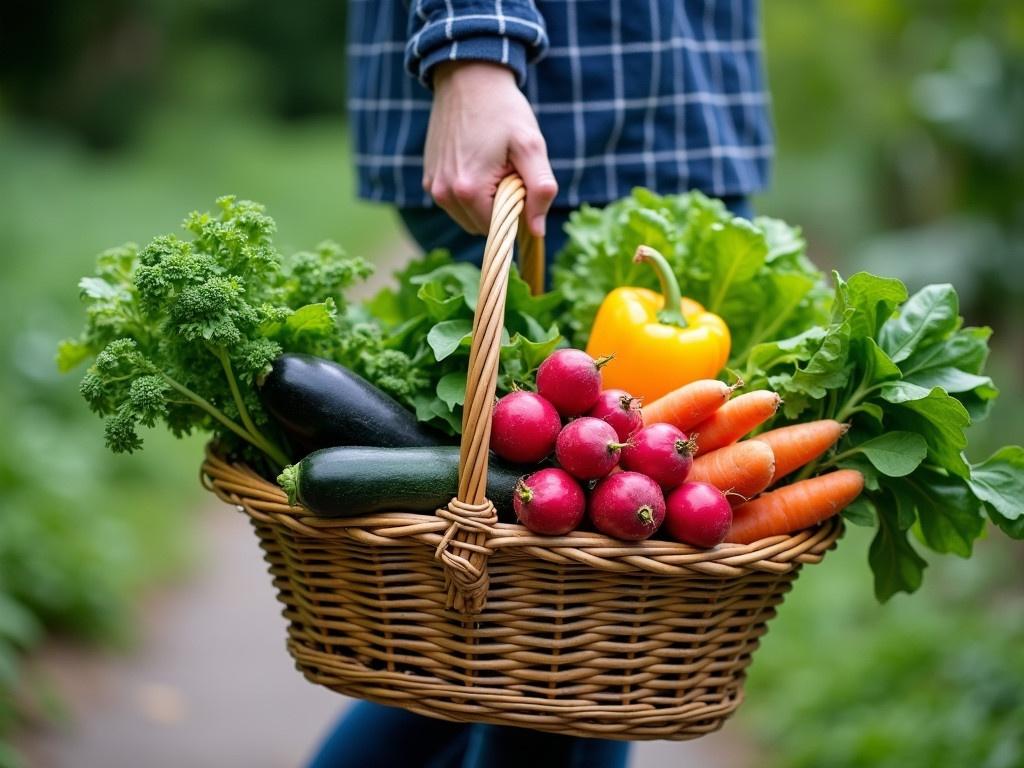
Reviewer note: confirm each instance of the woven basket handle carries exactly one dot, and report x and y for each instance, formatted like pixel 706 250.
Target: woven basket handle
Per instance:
pixel 470 515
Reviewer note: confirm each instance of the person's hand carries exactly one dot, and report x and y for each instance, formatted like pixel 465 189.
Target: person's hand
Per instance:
pixel 482 128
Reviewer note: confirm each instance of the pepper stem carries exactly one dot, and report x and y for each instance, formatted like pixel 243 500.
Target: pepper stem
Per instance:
pixel 671 313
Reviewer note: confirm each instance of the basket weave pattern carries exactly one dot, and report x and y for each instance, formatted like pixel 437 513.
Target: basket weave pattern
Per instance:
pixel 460 617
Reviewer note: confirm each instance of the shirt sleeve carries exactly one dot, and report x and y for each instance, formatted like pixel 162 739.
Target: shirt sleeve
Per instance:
pixel 508 32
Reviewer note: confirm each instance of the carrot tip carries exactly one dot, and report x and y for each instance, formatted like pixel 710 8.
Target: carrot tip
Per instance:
pixel 844 428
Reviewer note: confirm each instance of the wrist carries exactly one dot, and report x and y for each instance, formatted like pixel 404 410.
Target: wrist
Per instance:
pixel 487 73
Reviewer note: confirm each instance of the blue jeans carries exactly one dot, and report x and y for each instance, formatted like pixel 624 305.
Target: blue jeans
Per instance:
pixel 374 736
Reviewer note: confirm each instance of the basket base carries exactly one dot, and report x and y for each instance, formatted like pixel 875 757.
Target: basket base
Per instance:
pixel 623 722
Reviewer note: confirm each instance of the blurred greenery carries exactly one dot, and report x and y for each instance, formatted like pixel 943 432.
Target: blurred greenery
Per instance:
pixel 900 150
pixel 930 680
pixel 81 530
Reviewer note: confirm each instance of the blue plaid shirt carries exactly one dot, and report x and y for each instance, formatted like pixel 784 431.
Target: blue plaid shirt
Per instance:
pixel 667 94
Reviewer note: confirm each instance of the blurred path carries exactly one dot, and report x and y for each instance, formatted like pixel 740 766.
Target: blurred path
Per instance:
pixel 212 685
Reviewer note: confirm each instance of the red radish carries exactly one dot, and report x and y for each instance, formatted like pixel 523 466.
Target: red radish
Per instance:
pixel 550 502
pixel 571 380
pixel 620 409
pixel 662 452
pixel 627 505
pixel 698 514
pixel 588 448
pixel 524 427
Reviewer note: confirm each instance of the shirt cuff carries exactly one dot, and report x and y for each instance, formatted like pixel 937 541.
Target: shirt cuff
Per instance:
pixel 499 50
pixel 512 41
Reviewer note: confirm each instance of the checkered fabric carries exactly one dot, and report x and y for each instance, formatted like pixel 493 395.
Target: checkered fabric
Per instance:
pixel 667 94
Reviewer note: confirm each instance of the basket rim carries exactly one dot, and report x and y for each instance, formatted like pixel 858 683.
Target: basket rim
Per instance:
pixel 238 484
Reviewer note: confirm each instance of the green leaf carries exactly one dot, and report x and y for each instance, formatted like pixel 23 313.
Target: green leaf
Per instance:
pixel 872 297
pixel 952 380
pixel 439 303
pixel 769 355
pixel 828 368
pixel 457 279
pixel 444 338
pixel 949 514
pixel 315 320
pixel 734 253
pixel 393 306
pixel 861 512
pixel 872 478
pixel 931 313
pixel 999 482
pixel 71 353
pixel 955 364
pixel 903 392
pixel 896 565
pixel 966 349
pixel 895 454
pixel 451 389
pixel 98 288
pixel 939 418
pixel 1012 528
pixel 768 307
pixel 532 353
pixel 783 241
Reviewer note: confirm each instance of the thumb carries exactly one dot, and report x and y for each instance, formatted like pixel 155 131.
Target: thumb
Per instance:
pixel 530 159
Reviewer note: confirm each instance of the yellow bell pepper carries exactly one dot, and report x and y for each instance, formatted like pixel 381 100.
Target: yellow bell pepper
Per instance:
pixel 659 341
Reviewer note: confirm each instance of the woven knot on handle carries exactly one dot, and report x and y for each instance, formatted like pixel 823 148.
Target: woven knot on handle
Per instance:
pixel 463 552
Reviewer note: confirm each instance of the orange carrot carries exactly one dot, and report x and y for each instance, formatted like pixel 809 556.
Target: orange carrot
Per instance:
pixel 690 404
pixel 740 471
pixel 798 444
pixel 794 507
pixel 735 419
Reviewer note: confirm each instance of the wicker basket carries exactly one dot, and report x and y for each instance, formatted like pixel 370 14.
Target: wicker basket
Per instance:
pixel 460 617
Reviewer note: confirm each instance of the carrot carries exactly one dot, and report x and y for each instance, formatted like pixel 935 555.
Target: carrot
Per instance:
pixel 735 419
pixel 795 507
pixel 799 444
pixel 740 471
pixel 690 404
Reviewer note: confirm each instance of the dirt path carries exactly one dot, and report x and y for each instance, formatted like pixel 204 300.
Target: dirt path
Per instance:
pixel 211 684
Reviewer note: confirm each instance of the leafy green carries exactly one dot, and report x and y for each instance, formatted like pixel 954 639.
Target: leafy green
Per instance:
pixel 910 380
pixel 755 275
pixel 181 329
pixel 426 322
pixel 997 482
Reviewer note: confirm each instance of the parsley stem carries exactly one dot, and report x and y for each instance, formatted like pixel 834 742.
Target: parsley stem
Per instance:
pixel 243 412
pixel 256 440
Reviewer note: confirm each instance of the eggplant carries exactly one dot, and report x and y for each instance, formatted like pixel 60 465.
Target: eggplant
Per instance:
pixel 318 403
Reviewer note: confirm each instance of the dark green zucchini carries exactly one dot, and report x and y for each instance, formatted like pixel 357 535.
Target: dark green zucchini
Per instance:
pixel 319 404
pixel 348 481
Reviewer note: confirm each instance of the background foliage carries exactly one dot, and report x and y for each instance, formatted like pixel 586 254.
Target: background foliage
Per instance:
pixel 901 150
